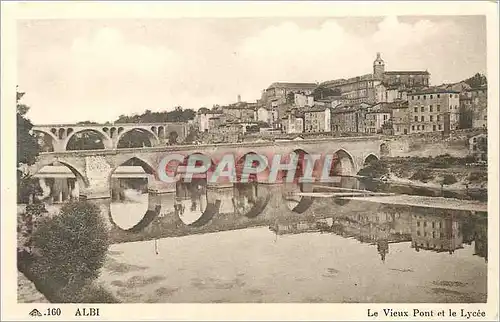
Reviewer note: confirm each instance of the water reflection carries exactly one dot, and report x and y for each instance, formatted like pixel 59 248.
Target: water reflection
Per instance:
pixel 424 228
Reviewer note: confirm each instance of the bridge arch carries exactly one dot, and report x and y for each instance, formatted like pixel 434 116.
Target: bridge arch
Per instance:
pixel 343 163
pixel 249 199
pixel 81 178
pixel 131 196
pixel 192 203
pixel 369 159
pixel 152 137
pixel 54 141
pixel 105 139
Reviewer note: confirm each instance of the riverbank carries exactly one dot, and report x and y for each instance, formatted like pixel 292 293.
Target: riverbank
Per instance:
pixel 434 176
pixel 27 292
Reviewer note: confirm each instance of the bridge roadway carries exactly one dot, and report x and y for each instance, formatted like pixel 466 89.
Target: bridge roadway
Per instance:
pixel 93 168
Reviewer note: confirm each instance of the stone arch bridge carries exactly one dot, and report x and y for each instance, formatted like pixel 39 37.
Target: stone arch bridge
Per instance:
pixel 93 168
pixel 110 134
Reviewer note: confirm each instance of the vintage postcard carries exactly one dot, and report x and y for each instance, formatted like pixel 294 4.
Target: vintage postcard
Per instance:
pixel 250 161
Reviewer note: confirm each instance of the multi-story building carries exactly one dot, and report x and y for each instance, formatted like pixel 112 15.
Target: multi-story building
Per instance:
pixel 367 88
pixel 360 89
pixel 377 116
pixel 203 118
pixel 279 93
pixel 349 118
pixel 240 111
pixel 479 103
pixel 262 114
pixel 400 117
pixel 302 100
pixel 293 123
pixel 433 110
pixel 478 147
pixel 317 119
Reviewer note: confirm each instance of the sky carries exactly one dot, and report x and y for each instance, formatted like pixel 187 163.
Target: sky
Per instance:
pixel 77 70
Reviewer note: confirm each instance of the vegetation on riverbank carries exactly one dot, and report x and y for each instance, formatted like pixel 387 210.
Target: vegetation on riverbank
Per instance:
pixel 440 171
pixel 64 256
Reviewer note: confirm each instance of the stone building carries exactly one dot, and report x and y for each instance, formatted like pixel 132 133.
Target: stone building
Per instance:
pixel 240 111
pixel 203 117
pixel 349 118
pixel 262 114
pixel 433 110
pixel 293 123
pixel 376 117
pixel 400 117
pixel 372 88
pixel 478 147
pixel 479 104
pixel 279 94
pixel 317 119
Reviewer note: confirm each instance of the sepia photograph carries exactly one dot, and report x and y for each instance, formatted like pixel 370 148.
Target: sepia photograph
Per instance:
pixel 253 159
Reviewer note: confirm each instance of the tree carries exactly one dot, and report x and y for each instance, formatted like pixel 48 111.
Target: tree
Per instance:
pixel 70 249
pixel 27 151
pixel 321 92
pixel 477 80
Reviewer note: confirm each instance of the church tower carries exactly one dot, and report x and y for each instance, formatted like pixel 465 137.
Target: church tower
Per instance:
pixel 378 67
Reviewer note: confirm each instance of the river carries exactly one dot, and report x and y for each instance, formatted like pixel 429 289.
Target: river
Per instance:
pixel 254 249
pixel 348 253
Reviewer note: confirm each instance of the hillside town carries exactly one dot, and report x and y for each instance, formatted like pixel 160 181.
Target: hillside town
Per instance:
pixel 384 101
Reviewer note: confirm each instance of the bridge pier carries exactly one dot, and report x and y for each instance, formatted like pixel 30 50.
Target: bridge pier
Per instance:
pixel 158 187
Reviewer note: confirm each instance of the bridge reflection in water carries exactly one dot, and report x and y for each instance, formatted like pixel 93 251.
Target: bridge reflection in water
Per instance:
pixel 353 251
pixel 270 244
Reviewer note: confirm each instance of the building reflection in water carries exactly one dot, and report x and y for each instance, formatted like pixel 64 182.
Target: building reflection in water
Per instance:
pixel 423 227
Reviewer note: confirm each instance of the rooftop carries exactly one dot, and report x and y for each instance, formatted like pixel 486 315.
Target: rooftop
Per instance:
pixel 407 72
pixel 434 91
pixel 293 85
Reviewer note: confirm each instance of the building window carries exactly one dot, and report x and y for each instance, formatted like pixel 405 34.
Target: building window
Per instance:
pixel 418 127
pixel 433 235
pixel 431 117
pixel 434 128
pixel 422 109
pixel 425 223
pixel 416 118
pixel 439 96
pixel 413 127
pixel 430 108
pixel 422 118
pixel 439 127
pixel 423 127
pixel 456 95
pixel 438 108
pixel 441 234
pixel 439 118
pixel 431 96
pixel 418 232
pixel 418 97
pixel 415 109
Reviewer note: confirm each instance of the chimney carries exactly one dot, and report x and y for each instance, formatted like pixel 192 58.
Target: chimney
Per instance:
pixel 239 98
